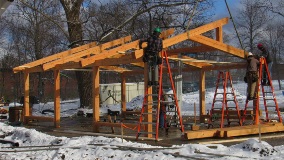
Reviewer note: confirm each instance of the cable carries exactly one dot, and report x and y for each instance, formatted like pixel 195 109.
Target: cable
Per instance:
pixel 231 17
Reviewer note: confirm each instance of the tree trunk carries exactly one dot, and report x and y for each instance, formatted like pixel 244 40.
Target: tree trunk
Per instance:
pixel 72 11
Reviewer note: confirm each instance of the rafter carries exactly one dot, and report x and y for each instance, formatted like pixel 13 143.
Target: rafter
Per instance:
pixel 199 30
pixel 53 57
pixel 95 50
pixel 114 51
pixel 219 45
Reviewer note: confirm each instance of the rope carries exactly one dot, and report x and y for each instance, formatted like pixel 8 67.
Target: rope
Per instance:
pixel 231 17
pixel 191 17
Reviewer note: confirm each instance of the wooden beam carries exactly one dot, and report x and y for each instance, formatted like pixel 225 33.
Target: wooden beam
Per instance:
pixel 126 59
pixel 95 50
pixel 108 53
pixel 202 105
pixel 115 69
pixel 96 97
pixel 194 49
pixel 112 52
pixel 56 98
pixel 40 118
pixel 219 34
pixel 225 66
pixel 219 45
pixel 199 30
pixel 53 57
pixel 26 95
pixel 123 92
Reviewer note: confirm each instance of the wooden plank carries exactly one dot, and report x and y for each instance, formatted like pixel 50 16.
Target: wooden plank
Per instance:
pixel 202 106
pixel 227 66
pixel 115 69
pixel 96 97
pixel 252 129
pixel 56 98
pixel 126 59
pixel 208 133
pixel 108 53
pixel 191 61
pixel 219 45
pixel 26 95
pixel 112 52
pixel 39 118
pixel 94 50
pixel 219 34
pixel 53 57
pixel 201 48
pixel 199 30
pixel 123 92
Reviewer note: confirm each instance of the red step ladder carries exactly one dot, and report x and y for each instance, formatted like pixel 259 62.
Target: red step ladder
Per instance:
pixel 268 96
pixel 156 102
pixel 220 107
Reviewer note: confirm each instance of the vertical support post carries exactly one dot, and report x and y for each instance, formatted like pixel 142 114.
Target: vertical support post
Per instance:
pixel 96 98
pixel 219 34
pixel 26 96
pixel 123 92
pixel 202 106
pixel 148 108
pixel 56 98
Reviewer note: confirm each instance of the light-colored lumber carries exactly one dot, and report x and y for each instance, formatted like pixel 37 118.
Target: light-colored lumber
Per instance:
pixel 218 45
pixel 54 57
pixel 56 98
pixel 199 30
pixel 94 50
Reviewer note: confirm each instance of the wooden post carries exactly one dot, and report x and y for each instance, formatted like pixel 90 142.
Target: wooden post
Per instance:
pixel 56 98
pixel 202 106
pixel 123 92
pixel 219 34
pixel 26 96
pixel 96 97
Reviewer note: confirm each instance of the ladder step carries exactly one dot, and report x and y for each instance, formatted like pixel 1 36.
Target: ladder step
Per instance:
pixel 268 98
pixel 270 106
pixel 267 92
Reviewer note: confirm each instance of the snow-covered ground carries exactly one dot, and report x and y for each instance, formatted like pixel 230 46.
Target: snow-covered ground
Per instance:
pixel 37 145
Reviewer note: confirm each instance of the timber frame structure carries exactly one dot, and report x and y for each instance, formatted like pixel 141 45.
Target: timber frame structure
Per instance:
pixel 110 55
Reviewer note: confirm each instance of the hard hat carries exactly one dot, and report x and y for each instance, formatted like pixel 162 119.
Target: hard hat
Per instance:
pixel 259 45
pixel 157 30
pixel 250 54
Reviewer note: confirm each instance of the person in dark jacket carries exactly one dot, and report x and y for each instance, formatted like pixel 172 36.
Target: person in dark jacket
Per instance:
pixel 268 58
pixel 151 55
pixel 251 75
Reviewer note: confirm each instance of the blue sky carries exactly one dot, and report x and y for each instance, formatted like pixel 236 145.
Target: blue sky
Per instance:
pixel 221 9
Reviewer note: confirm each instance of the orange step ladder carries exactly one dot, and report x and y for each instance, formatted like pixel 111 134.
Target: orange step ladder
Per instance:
pixel 268 96
pixel 153 103
pixel 224 96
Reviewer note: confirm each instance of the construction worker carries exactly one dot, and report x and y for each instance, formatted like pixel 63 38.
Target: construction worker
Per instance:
pixel 251 75
pixel 268 58
pixel 151 55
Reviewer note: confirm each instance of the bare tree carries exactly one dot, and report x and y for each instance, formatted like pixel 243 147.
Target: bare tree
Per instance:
pixel 32 35
pixel 251 20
